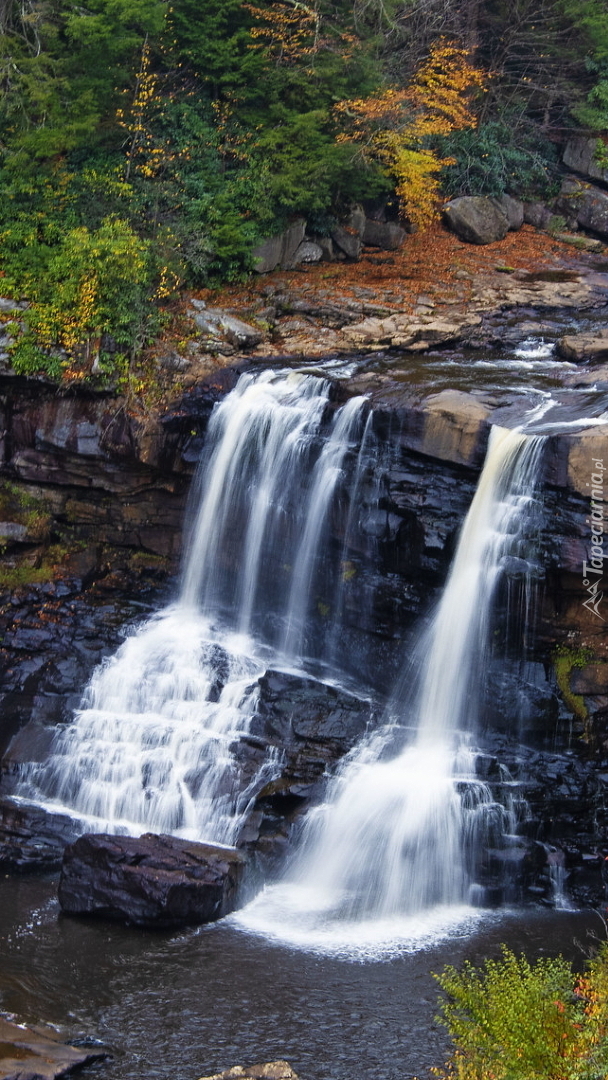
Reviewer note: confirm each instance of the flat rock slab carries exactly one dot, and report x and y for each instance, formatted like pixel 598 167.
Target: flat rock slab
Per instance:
pixel 37 1054
pixel 155 881
pixel 582 347
pixel 271 1070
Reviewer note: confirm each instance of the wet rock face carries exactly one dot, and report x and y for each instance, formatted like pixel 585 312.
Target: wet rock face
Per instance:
pixel 312 723
pixel 155 881
pixel 27 1054
pixel 32 838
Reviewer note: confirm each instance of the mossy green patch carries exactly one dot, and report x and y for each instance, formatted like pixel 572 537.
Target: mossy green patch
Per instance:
pixel 565 660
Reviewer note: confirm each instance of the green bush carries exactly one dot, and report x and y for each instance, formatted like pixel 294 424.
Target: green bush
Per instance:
pixel 497 158
pixel 516 1020
pixel 91 283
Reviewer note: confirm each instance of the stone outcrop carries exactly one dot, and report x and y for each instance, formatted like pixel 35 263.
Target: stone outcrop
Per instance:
pixel 279 250
pixel 28 1053
pixel 477 219
pixel 455 427
pixel 155 881
pixel 581 155
pixel 584 204
pixel 348 241
pixel 413 334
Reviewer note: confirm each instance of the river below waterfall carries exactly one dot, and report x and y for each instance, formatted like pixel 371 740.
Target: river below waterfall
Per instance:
pixel 183 1005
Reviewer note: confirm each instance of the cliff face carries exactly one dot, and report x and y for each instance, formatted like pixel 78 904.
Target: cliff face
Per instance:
pixel 111 491
pixel 94 502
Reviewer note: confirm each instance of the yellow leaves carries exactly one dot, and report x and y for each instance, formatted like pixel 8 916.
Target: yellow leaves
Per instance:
pixel 287 30
pixel 392 127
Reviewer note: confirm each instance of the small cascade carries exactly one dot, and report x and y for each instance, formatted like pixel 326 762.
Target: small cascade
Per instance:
pixel 406 815
pixel 156 742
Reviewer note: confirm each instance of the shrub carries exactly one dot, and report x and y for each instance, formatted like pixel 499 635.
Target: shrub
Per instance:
pixel 93 282
pixel 513 1020
pixel 499 156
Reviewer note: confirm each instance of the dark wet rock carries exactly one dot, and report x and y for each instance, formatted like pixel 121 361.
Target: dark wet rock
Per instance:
pixel 154 881
pixel 477 219
pixel 33 839
pixel 271 1070
pixel 312 723
pixel 28 1053
pixel 383 234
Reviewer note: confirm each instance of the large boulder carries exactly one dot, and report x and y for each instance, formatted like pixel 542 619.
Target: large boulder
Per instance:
pixel 581 155
pixel 348 241
pixel 279 250
pixel 155 881
pixel 477 219
pixel 513 209
pixel 308 252
pixel 215 322
pixel 585 204
pixel 383 234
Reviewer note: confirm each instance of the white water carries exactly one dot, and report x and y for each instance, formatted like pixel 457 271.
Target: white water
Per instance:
pixel 158 741
pixel 398 835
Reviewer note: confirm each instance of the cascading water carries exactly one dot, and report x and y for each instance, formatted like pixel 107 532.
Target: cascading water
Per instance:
pixel 155 743
pixel 400 829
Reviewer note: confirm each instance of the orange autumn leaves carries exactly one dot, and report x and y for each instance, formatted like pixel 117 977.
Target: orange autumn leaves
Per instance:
pixel 394 127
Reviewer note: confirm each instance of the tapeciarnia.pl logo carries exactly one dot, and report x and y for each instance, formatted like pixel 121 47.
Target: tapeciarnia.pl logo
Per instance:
pixel 593 570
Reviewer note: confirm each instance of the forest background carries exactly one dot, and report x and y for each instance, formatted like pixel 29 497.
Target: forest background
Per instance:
pixel 148 145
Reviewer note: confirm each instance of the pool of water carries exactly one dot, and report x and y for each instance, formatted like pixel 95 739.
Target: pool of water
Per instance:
pixel 187 1004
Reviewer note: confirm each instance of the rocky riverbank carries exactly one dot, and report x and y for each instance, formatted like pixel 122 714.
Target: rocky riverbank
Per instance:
pixel 436 290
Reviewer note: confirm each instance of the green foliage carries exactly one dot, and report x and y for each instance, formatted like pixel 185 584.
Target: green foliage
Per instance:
pixel 500 157
pixel 89 283
pixel 144 145
pixel 516 1020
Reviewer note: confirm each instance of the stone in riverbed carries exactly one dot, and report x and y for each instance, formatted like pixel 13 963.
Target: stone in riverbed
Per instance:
pixel 38 1054
pixel 270 1070
pixel 155 881
pixel 32 838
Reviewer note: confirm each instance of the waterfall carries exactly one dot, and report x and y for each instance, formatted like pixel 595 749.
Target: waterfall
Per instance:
pixel 157 742
pixel 402 824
